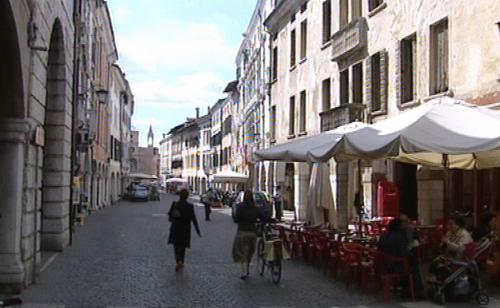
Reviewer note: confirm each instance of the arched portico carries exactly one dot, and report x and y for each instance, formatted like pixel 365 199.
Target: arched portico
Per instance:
pixel 13 136
pixel 57 150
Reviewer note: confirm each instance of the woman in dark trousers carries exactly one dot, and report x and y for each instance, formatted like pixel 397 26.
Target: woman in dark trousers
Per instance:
pixel 181 214
pixel 246 216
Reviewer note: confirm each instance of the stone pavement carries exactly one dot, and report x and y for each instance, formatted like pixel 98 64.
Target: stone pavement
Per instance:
pixel 120 259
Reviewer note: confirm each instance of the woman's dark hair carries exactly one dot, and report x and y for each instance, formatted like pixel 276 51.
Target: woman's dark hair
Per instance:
pixel 248 198
pixel 183 194
pixel 459 221
pixel 395 225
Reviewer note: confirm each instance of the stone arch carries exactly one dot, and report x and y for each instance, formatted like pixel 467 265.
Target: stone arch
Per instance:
pixel 56 179
pixel 13 129
pixel 11 79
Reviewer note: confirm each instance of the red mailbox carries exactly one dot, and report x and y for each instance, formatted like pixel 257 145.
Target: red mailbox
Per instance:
pixel 387 199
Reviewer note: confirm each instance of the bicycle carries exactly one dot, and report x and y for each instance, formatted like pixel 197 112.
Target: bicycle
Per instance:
pixel 269 243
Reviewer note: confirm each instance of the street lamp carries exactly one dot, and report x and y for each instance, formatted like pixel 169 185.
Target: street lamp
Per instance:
pixel 102 96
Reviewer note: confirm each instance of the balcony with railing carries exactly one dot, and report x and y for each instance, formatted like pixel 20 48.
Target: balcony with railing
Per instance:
pixel 341 115
pixel 350 39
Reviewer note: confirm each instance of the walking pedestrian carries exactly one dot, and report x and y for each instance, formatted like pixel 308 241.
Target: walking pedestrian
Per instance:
pixel 206 199
pixel 278 201
pixel 181 215
pixel 246 216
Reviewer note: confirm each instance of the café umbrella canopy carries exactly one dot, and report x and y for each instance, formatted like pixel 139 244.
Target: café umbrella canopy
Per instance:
pixel 297 150
pixel 228 177
pixel 467 134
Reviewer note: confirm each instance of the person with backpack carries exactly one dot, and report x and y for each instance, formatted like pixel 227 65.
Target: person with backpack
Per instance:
pixel 181 215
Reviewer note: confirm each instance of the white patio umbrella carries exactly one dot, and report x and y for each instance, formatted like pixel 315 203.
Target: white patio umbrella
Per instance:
pixel 176 180
pixel 320 195
pixel 229 177
pixel 468 135
pixel 297 150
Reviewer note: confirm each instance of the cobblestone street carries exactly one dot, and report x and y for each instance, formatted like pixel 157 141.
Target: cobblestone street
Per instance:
pixel 120 259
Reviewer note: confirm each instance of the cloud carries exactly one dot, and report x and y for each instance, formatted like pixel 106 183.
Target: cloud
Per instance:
pixel 147 121
pixel 176 44
pixel 187 91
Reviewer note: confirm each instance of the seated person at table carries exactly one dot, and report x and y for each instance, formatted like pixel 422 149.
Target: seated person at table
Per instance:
pixel 453 245
pixel 485 228
pixel 394 241
pixel 409 231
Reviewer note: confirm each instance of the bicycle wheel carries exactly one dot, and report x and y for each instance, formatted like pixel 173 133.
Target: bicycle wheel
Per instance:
pixel 261 262
pixel 276 271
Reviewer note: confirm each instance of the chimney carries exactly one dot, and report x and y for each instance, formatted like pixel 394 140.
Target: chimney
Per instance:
pixel 197 112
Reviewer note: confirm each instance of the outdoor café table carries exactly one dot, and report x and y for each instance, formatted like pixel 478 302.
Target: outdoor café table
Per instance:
pixel 362 239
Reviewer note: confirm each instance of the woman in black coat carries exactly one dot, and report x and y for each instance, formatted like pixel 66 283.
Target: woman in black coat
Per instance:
pixel 181 214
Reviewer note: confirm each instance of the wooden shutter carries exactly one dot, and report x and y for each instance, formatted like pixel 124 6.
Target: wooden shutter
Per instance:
pixel 384 63
pixel 368 84
pixel 397 69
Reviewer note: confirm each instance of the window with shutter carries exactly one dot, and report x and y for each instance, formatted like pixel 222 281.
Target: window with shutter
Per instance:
pixel 373 4
pixel 384 80
pixel 344 87
pixel 439 58
pixel 275 63
pixel 368 84
pixel 303 115
pixel 356 10
pixel 291 117
pixel 303 39
pixel 273 122
pixel 344 13
pixel 357 83
pixel 407 69
pixel 375 82
pixel 292 48
pixel 326 94
pixel 327 21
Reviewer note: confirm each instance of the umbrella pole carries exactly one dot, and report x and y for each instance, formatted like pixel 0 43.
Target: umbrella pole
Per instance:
pixel 359 198
pixel 445 186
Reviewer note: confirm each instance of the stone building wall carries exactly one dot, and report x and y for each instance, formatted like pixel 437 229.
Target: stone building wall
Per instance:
pixel 45 73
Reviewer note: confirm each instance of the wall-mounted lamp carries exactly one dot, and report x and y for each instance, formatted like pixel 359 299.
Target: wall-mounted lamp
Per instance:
pixel 102 96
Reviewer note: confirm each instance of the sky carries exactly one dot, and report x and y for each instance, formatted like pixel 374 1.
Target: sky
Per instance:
pixel 177 55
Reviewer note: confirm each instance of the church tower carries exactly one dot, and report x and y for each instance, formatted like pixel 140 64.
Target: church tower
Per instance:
pixel 150 137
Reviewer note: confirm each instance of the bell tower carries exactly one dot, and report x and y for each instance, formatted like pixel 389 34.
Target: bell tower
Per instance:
pixel 150 137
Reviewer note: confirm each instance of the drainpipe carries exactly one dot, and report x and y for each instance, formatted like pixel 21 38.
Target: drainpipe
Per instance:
pixel 77 10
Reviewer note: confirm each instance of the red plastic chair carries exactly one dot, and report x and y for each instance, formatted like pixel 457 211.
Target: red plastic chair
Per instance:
pixel 350 261
pixel 333 257
pixel 390 279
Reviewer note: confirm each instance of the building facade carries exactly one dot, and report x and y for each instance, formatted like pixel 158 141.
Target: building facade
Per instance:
pixel 253 63
pixel 53 125
pixel 144 160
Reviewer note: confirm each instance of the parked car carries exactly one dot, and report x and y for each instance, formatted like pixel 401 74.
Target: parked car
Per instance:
pixel 262 201
pixel 139 193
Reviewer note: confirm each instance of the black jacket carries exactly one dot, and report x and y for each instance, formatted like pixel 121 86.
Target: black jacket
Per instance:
pixel 181 214
pixel 246 217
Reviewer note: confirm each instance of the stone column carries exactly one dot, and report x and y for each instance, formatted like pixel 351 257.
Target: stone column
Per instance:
pixel 301 189
pixel 12 141
pixel 343 208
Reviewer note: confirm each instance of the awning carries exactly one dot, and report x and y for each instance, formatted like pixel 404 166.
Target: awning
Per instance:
pixel 468 134
pixel 298 150
pixel 229 177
